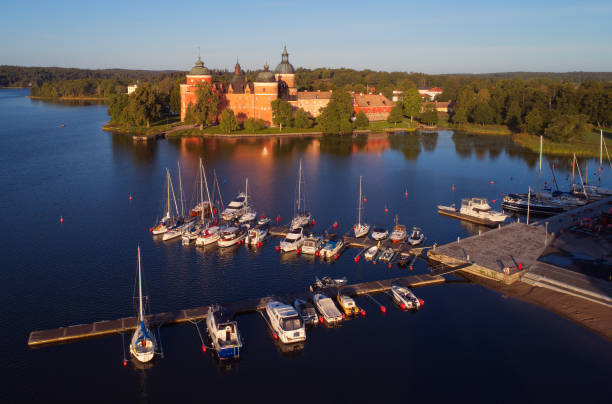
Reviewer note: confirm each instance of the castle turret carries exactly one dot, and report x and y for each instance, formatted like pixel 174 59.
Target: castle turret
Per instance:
pixel 198 74
pixel 285 71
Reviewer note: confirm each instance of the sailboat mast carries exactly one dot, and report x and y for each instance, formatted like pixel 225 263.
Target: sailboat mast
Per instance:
pixel 201 191
pixel 207 191
pixel 300 188
pixel 140 310
pixel 180 188
pixel 246 193
pixel 359 213
pixel 218 189
pixel 168 186
pixel 540 173
pixel 600 154
pixel 573 169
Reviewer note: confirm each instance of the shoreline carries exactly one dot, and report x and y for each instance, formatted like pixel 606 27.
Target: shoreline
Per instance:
pixel 593 316
pixel 67 98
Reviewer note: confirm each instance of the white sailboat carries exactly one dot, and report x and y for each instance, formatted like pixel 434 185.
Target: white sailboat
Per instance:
pixel 360 229
pixel 168 221
pixel 302 216
pixel 143 344
pixel 249 213
pixel 194 230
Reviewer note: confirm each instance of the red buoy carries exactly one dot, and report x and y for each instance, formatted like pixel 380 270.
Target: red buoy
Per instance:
pixel 374 262
pixel 320 319
pixel 203 349
pixel 317 254
pixel 363 313
pixel 365 199
pixel 299 250
pixel 337 256
pixel 406 194
pixel 510 178
pixel 277 219
pixel 356 259
pixel 389 265
pixel 383 309
pixel 343 316
pixel 277 248
pixel 452 188
pixel 335 225
pixel 124 363
pixel 263 216
pixel 421 302
pixel 313 222
pixel 61 219
pixel 130 197
pixel 402 306
pixel 520 266
pixel 275 336
pixel 491 182
pixel 493 200
pixel 411 267
pixel 386 210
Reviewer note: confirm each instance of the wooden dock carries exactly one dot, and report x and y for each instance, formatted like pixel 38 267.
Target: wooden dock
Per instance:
pixel 127 324
pixel 467 218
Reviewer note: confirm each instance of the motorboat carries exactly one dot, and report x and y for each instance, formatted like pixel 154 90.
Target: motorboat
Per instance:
pixel 301 217
pixel 235 208
pixel 332 247
pixel 249 216
pixel 293 240
pixel 379 233
pixel 371 252
pixel 208 236
pixel 480 208
pixel 403 295
pixel 143 343
pixel 399 232
pixel 403 260
pixel 521 203
pixel 360 229
pixel 416 237
pixel 285 322
pixel 223 333
pixel 327 282
pixel 231 236
pixel 256 235
pixel 327 308
pixel 448 208
pixel 312 244
pixel 307 311
pixel 387 254
pixel 263 221
pixel 348 305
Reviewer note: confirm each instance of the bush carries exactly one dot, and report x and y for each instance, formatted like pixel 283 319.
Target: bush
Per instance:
pixel 228 122
pixel 302 120
pixel 361 121
pixel 566 128
pixel 252 125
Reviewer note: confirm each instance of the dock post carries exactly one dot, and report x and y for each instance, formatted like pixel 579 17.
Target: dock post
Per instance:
pixel 546 237
pixel 458 239
pixel 499 225
pixel 480 232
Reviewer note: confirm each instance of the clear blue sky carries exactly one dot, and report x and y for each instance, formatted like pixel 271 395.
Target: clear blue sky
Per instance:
pixel 423 36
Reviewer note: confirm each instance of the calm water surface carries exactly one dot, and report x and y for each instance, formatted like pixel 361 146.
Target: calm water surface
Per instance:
pixel 468 342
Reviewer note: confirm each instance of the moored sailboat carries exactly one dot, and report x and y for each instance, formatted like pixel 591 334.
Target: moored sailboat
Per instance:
pixel 360 229
pixel 143 344
pixel 302 217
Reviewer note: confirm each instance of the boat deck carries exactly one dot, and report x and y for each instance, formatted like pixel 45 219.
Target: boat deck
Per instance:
pixel 467 218
pixel 102 328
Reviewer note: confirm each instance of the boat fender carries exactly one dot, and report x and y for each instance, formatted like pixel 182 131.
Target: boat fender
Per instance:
pixel 343 316
pixel 421 302
pixel 203 349
pixel 320 319
pixel 124 363
pixel 277 248
pixel 383 309
pixel 298 251
pixel 337 256
pixel 402 306
pixel 363 313
pixel 317 253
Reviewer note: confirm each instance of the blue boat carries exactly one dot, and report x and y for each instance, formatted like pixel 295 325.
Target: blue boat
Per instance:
pixel 223 332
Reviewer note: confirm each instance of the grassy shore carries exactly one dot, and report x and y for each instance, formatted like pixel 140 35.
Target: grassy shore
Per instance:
pixel 384 126
pixel 216 131
pixel 501 130
pixel 156 128
pixel 588 147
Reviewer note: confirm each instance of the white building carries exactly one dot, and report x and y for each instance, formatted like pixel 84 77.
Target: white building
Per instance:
pixel 131 88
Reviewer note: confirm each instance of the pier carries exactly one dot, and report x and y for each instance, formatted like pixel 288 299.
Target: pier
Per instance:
pixel 127 324
pixel 467 218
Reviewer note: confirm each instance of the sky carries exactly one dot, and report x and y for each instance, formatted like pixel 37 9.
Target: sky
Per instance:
pixel 459 36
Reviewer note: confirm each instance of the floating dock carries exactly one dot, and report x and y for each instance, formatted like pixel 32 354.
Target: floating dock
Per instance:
pixel 102 328
pixel 467 218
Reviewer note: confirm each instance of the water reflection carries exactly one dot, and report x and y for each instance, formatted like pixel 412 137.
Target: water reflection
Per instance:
pixel 66 103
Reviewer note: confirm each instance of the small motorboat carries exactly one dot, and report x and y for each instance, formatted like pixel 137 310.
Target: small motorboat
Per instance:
pixel 387 255
pixel 379 233
pixel 223 333
pixel 480 208
pixel 312 244
pixel 257 235
pixel 327 308
pixel 285 322
pixel 293 240
pixel 231 236
pixel 371 253
pixel 307 311
pixel 332 247
pixel 416 237
pixel 327 282
pixel 399 232
pixel 208 236
pixel 403 295
pixel 403 260
pixel 249 216
pixel 348 305
pixel 263 221
pixel 450 208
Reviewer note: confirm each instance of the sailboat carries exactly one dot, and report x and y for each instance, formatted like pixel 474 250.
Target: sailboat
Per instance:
pixel 209 233
pixel 360 229
pixel 302 216
pixel 168 221
pixel 249 213
pixel 143 344
pixel 597 190
pixel 206 208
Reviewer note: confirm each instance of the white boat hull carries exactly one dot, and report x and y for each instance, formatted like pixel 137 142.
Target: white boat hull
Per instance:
pixel 361 230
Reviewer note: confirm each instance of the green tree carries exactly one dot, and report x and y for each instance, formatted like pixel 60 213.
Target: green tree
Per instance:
pixel 302 120
pixel 117 108
pixel 362 121
pixel 566 128
pixel 335 118
pixel 459 115
pixel 189 117
pixel 252 125
pixel 482 113
pixel 207 105
pixel 534 123
pixel 412 103
pixel 144 106
pixel 513 116
pixel 429 115
pixel 396 114
pixel 282 113
pixel 175 97
pixel 228 121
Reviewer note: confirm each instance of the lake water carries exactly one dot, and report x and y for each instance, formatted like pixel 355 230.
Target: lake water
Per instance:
pixel 467 343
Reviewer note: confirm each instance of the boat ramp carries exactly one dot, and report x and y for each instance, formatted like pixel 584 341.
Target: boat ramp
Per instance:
pixel 104 328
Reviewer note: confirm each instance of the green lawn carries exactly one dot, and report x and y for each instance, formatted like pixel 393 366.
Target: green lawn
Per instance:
pixel 381 126
pixel 588 147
